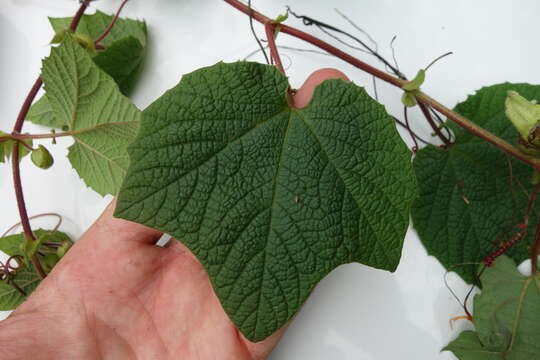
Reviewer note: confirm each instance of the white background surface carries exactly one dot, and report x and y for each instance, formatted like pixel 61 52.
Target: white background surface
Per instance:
pixel 356 312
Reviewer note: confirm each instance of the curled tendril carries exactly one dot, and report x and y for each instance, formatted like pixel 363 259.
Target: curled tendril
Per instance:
pixel 8 272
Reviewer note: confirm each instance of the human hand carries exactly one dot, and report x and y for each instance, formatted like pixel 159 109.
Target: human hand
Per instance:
pixel 116 295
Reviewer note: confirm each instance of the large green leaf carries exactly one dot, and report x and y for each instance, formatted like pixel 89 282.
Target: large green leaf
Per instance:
pixel 104 121
pixel 506 316
pixel 466 206
pixel 26 278
pixel 270 198
pixel 122 59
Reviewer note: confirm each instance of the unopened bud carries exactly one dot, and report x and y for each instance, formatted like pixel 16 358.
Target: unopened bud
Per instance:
pixel 41 157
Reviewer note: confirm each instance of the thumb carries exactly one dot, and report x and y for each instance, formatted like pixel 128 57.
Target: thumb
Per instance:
pixel 304 94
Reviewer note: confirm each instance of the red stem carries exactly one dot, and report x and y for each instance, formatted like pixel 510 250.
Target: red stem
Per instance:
pixel 411 133
pixel 270 29
pixel 421 97
pixel 111 25
pixel 17 183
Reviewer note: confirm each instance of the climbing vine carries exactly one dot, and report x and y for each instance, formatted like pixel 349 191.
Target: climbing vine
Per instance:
pixel 271 197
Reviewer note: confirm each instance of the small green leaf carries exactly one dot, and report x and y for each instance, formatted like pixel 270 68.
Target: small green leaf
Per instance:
pixel 26 277
pixel 42 158
pixel 270 198
pixel 281 18
pixel 415 83
pixel 123 57
pixel 505 317
pixel 11 245
pixel 94 25
pixel 123 61
pixel 6 148
pixel 90 103
pixel 466 206
pixel 468 347
pixel 525 115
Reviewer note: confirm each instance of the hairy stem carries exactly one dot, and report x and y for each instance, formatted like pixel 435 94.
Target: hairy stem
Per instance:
pixel 421 97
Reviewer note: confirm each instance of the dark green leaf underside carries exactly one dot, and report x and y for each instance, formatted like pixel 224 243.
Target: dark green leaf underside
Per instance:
pixel 466 207
pixel 270 199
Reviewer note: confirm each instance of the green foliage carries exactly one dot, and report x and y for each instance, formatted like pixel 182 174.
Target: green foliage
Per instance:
pixel 26 277
pixel 466 204
pixel 506 317
pixel 270 198
pixel 94 25
pixel 103 121
pixel 127 42
pixel 412 88
pixel 40 113
pixel 122 59
pixel 6 148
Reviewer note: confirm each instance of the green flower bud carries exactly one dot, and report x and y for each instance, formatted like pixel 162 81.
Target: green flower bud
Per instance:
pixel 408 99
pixel 525 115
pixel 415 83
pixel 41 157
pixel 61 251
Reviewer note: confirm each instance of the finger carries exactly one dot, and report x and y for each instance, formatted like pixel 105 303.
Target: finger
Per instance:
pixel 304 94
pixel 108 228
pixel 262 349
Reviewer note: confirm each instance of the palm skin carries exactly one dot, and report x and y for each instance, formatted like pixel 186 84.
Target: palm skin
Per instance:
pixel 116 295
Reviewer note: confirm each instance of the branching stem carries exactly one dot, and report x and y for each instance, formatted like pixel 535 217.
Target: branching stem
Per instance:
pixel 270 29
pixel 421 97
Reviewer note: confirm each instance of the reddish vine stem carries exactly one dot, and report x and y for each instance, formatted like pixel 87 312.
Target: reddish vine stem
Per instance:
pixel 421 97
pixel 111 25
pixel 411 133
pixel 270 29
pixel 504 246
pixel 17 183
pixel 434 126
